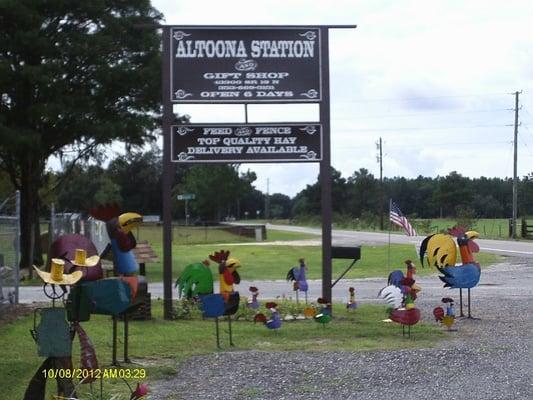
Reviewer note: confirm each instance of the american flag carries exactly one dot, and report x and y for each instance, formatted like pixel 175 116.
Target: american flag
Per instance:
pixel 396 217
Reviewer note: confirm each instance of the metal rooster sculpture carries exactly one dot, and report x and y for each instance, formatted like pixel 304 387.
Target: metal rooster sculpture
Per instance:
pixel 447 318
pixel 120 228
pixel 196 280
pixel 442 253
pixel 122 242
pixel 400 295
pixel 274 322
pixel 324 315
pixel 352 304
pixel 297 275
pixel 253 303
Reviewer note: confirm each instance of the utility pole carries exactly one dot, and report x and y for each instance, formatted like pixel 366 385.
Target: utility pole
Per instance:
pixel 515 168
pixel 380 161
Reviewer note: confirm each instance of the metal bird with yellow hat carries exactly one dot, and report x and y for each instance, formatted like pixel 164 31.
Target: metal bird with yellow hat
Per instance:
pixel 56 276
pixel 81 259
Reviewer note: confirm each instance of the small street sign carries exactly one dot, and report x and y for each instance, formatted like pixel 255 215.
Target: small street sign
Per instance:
pixel 186 196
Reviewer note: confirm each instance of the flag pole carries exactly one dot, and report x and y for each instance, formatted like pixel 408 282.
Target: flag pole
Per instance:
pixel 390 228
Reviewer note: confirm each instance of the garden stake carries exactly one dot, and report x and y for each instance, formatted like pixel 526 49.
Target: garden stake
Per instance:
pixel 218 335
pixel 126 325
pixel 114 355
pixel 461 303
pixel 230 334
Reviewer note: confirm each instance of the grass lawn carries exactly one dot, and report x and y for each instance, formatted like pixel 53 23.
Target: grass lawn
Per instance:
pixel 497 228
pixel 273 262
pixel 488 228
pixel 186 238
pixel 160 345
pixel 199 235
pixel 269 262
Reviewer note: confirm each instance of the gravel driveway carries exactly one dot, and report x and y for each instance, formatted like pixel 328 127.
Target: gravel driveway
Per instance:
pixel 491 358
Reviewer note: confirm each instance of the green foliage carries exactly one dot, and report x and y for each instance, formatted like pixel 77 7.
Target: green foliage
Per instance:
pixel 363 196
pixel 273 262
pixel 289 306
pixel 186 309
pixel 138 175
pixel 423 197
pixel 280 206
pixel 246 313
pixel 6 187
pixel 369 219
pixel 84 187
pixel 466 216
pixel 309 201
pixel 218 188
pixel 191 235
pixel 74 76
pixel 423 227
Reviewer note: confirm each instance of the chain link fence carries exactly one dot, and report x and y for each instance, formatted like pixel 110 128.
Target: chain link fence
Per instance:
pixel 65 223
pixel 10 249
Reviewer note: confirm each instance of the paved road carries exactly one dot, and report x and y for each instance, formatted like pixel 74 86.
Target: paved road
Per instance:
pixel 344 238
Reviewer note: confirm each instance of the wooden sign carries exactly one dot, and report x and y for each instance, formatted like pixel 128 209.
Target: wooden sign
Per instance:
pixel 245 65
pixel 231 143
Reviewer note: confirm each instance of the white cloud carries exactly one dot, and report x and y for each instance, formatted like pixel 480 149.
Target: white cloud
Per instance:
pixel 394 76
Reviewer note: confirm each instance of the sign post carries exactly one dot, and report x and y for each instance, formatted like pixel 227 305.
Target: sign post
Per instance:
pixel 168 168
pixel 247 64
pixel 186 197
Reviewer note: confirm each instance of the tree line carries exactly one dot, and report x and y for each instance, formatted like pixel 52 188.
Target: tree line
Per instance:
pixel 225 191
pixel 422 197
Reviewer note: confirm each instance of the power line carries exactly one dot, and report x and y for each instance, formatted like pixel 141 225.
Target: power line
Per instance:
pixel 527 128
pixel 422 113
pixel 427 144
pixel 508 160
pixel 425 97
pixel 527 112
pixel 428 128
pixel 523 142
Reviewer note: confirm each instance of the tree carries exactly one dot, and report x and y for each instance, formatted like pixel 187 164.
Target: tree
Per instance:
pixel 84 187
pixel 249 198
pixel 6 188
pixel 363 193
pixel 139 177
pixel 73 76
pixel 280 206
pixel 525 190
pixel 452 190
pixel 309 200
pixel 217 189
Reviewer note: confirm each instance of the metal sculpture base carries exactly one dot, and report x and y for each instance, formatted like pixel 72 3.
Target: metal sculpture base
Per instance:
pixel 408 331
pixel 461 314
pixel 126 358
pixel 230 332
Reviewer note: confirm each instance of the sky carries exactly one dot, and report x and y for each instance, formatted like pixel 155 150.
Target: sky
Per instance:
pixel 434 79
